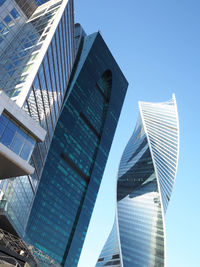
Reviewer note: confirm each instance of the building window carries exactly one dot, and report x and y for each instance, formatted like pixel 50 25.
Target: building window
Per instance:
pixel 9 21
pixel 1 39
pixel 2 2
pixel 55 5
pixel 14 13
pixel 15 137
pixel 3 28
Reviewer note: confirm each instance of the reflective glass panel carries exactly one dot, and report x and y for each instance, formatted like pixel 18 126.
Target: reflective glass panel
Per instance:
pixel 14 13
pixel 2 26
pixel 7 137
pixel 1 39
pixel 14 137
pixel 17 143
pixel 8 20
pixel 2 128
pixel 3 120
pixel 2 2
pixel 27 148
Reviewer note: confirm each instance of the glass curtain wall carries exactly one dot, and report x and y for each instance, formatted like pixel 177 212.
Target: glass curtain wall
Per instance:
pixel 44 99
pixel 74 168
pixel 144 186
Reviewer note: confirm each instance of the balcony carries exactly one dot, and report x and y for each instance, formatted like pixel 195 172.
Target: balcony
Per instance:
pixel 18 136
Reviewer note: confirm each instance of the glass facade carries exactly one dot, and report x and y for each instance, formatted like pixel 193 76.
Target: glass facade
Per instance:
pixel 75 164
pixel 36 59
pixel 141 196
pixel 20 57
pixel 15 137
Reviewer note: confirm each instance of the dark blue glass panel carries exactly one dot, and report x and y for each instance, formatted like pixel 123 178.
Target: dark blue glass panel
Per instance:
pixel 22 133
pixel 14 13
pixel 8 66
pixel 3 119
pixel 2 2
pixel 12 126
pixel 30 140
pixel 2 26
pixel 7 19
pixel 26 150
pixel 2 128
pixel 17 143
pixel 7 137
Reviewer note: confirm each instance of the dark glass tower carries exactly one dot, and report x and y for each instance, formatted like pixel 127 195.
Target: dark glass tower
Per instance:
pixel 145 181
pixel 75 164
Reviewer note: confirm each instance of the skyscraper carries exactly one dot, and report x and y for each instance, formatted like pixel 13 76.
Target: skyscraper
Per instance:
pixel 37 53
pixel 38 85
pixel 75 164
pixel 146 177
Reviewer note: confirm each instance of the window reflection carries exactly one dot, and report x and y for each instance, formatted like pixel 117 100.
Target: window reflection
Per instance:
pixel 14 137
pixel 14 13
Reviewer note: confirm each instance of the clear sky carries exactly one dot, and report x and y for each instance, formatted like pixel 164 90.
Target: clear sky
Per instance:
pixel 157 45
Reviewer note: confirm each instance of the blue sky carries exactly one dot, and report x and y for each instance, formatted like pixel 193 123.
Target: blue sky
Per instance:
pixel 157 45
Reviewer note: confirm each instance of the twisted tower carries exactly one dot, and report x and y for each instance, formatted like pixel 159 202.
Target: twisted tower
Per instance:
pixel 146 177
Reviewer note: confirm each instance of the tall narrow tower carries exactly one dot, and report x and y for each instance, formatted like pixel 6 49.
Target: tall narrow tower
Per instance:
pixel 146 177
pixel 72 175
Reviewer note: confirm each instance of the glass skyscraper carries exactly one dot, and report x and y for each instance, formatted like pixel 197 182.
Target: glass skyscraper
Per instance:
pixel 146 177
pixel 77 157
pixel 37 53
